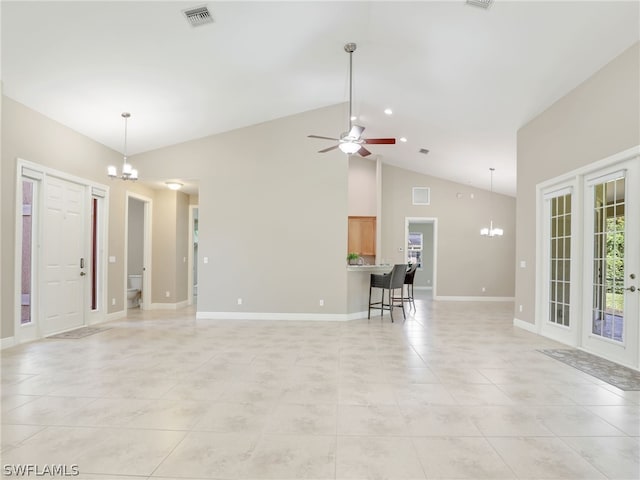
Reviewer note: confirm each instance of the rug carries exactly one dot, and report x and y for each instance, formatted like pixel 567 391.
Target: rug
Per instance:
pixel 80 332
pixel 617 375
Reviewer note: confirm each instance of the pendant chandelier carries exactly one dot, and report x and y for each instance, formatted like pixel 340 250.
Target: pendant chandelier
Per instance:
pixel 128 172
pixel 491 231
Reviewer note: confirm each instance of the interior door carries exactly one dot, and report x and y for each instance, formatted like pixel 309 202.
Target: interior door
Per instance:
pixel 65 262
pixel 612 263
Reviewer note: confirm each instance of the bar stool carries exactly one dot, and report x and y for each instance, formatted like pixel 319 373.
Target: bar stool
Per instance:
pixel 408 281
pixel 388 281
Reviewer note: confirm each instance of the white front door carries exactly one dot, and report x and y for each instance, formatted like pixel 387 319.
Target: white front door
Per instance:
pixel 611 311
pixel 63 245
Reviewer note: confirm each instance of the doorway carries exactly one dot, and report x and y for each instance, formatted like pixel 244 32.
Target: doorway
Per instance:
pixel 192 283
pixel 137 252
pixel 588 230
pixel 612 263
pixel 421 248
pixel 60 231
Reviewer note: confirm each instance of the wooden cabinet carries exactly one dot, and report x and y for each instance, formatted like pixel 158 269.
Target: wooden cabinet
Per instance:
pixel 362 235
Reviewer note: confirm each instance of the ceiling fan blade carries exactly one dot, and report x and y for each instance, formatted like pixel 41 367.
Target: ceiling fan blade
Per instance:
pixel 323 138
pixel 356 131
pixel 379 141
pixel 363 152
pixel 328 149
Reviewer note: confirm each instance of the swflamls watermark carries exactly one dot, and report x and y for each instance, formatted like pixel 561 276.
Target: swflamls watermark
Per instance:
pixel 33 470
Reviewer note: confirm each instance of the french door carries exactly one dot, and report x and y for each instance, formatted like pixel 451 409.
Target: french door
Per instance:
pixel 611 308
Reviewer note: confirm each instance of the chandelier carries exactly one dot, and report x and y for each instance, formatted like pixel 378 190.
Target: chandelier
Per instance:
pixel 128 172
pixel 491 231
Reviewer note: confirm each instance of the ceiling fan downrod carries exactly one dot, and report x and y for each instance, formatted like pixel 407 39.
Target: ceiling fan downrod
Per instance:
pixel 350 48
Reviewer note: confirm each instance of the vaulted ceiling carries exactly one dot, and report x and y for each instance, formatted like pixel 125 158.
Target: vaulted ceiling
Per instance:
pixel 460 79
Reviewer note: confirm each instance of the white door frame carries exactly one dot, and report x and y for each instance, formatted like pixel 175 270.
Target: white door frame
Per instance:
pixel 626 351
pixel 34 330
pixel 434 221
pixel 576 178
pixel 190 259
pixel 568 335
pixel 146 270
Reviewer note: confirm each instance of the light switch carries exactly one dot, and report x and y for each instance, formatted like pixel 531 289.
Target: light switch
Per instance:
pixel 523 264
pixel 112 259
pixel 205 259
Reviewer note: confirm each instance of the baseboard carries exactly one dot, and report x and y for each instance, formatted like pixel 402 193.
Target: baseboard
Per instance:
pixel 422 288
pixel 169 306
pixel 529 327
pixel 7 342
pixel 473 299
pixel 114 316
pixel 321 317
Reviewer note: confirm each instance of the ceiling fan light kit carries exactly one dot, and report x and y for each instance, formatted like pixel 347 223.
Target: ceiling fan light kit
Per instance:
pixel 351 142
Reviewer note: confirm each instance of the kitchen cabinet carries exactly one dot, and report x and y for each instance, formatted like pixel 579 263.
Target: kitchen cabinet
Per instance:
pixel 362 235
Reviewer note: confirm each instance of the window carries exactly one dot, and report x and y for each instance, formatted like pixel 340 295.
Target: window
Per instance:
pixel 560 260
pixel 28 193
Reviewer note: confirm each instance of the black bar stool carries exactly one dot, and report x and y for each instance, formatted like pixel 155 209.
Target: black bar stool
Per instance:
pixel 388 281
pixel 408 281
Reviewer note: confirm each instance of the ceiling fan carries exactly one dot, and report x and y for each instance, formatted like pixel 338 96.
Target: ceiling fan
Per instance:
pixel 352 142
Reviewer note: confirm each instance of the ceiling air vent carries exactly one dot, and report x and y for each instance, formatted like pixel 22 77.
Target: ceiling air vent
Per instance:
pixel 480 3
pixel 198 16
pixel 423 150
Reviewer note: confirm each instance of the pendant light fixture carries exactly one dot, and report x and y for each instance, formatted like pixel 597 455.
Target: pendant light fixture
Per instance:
pixel 128 172
pixel 491 231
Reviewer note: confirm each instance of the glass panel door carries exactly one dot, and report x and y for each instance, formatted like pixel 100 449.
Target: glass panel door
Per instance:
pixel 612 256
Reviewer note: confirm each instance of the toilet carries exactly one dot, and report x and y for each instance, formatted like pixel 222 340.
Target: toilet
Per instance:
pixel 134 290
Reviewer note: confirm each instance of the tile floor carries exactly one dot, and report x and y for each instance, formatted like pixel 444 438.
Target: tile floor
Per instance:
pixel 454 392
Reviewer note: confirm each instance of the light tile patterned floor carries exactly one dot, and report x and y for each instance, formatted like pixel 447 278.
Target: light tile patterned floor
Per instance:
pixel 454 392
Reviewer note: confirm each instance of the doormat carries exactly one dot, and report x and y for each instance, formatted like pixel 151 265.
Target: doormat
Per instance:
pixel 624 378
pixel 80 332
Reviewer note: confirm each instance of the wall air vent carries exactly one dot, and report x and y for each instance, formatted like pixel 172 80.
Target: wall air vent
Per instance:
pixel 198 16
pixel 423 150
pixel 421 195
pixel 480 3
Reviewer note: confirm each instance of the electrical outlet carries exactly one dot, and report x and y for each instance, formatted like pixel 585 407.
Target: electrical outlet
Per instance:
pixel 167 294
pixel 239 301
pixel 205 260
pixel 322 303
pixel 520 308
pixel 113 301
pixel 484 289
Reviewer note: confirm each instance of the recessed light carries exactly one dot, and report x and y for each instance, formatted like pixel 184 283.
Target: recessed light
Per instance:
pixel 403 139
pixel 388 111
pixel 173 185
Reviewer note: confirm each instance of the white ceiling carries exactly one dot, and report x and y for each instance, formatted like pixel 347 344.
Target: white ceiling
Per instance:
pixel 461 80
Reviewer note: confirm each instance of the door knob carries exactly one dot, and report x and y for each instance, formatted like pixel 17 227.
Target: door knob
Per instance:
pixel 632 288
pixel 82 274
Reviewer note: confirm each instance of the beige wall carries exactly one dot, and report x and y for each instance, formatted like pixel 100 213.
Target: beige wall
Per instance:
pixel 272 214
pixel 599 118
pixel 466 261
pixel 362 187
pixel 28 135
pixel 135 234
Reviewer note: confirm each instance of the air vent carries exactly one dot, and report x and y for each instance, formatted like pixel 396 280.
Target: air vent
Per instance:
pixel 480 3
pixel 198 16
pixel 423 150
pixel 421 195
